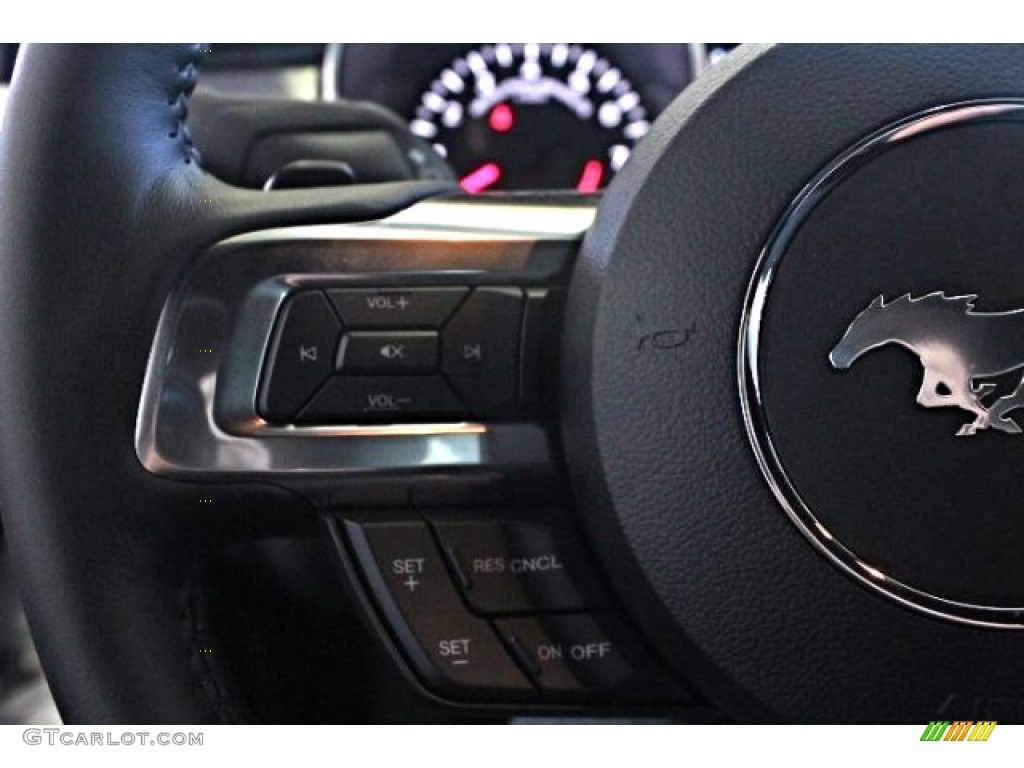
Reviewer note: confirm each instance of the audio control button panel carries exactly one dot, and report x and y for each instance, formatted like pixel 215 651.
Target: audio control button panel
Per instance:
pixel 400 355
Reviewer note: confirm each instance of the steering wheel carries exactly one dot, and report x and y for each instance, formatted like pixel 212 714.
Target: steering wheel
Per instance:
pixel 788 538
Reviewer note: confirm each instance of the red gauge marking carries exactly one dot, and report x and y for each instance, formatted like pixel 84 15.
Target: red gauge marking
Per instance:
pixel 502 118
pixel 590 179
pixel 485 176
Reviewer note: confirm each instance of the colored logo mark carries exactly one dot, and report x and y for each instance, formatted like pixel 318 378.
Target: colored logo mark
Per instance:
pixel 959 730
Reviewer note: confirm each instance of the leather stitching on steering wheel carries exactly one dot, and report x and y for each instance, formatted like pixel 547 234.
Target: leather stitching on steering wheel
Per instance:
pixel 198 646
pixel 188 76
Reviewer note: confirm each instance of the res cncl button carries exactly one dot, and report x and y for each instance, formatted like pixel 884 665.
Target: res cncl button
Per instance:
pixel 509 566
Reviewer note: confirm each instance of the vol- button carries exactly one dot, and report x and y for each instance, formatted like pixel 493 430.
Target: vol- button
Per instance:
pixel 377 399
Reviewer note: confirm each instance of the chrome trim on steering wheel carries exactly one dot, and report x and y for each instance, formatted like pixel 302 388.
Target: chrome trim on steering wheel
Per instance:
pixel 329 67
pixel 749 361
pixel 197 414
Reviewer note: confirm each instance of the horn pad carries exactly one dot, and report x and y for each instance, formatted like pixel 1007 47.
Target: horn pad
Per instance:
pixel 863 562
pixel 883 362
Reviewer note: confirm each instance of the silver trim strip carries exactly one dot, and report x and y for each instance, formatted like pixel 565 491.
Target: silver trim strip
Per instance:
pixel 4 90
pixel 748 362
pixel 698 58
pixel 301 83
pixel 197 413
pixel 329 68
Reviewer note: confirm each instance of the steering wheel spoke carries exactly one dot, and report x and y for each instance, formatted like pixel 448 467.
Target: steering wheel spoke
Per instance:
pixel 401 374
pixel 419 341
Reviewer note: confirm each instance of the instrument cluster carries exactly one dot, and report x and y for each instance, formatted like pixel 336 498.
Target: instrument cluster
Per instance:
pixel 509 116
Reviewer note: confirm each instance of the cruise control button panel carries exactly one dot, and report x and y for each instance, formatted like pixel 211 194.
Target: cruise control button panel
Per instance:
pixel 403 355
pixel 489 631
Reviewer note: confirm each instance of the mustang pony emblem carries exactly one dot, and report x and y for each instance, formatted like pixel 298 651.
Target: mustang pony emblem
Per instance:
pixel 957 347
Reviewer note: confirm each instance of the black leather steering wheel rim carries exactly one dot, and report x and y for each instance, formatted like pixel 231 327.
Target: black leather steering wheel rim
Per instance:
pixel 102 203
pixel 663 465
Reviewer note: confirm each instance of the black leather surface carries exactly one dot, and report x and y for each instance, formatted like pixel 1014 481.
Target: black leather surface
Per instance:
pixel 733 593
pixel 101 203
pixel 24 695
pixel 241 139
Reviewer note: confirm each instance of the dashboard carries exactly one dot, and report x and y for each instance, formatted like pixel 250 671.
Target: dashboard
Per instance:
pixel 505 116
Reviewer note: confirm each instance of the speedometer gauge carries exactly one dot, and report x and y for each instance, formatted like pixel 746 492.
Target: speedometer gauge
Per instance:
pixel 532 116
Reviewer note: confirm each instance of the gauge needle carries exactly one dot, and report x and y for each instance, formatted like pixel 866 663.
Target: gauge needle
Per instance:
pixel 502 118
pixel 590 179
pixel 485 176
